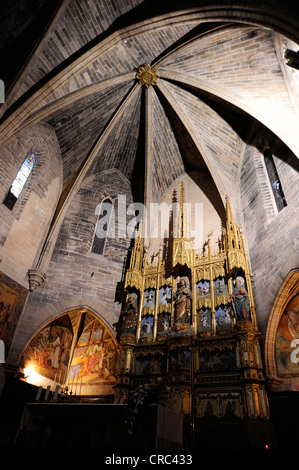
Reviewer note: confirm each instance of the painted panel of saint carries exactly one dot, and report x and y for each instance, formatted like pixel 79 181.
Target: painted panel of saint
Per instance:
pixel 165 295
pixel 148 365
pixel 147 325
pixel 217 360
pixel 287 340
pixel 203 289
pixel 185 359
pixel 223 318
pixel 173 359
pixel 149 298
pixel 204 320
pixel 12 299
pixel 163 324
pixel 220 286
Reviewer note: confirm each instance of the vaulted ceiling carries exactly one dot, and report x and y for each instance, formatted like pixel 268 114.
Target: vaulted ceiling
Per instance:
pixel 220 76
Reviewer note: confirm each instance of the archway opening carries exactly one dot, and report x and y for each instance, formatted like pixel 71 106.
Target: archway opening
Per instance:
pixel 282 339
pixel 76 354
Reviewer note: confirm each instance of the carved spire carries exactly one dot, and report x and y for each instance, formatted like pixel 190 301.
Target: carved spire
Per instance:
pixel 183 251
pixel 233 231
pixel 182 223
pixel 234 240
pixel 134 273
pixel 137 251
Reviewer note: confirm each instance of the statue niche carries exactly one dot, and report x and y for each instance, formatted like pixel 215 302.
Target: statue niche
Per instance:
pixel 182 304
pixel 130 314
pixel 240 299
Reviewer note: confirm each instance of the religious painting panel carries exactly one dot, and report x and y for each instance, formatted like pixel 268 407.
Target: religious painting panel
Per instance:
pixel 223 318
pixel 165 295
pixel 185 359
pixel 173 359
pixel 203 289
pixel 150 364
pixel 147 326
pixel 231 405
pixel 48 353
pixel 217 359
pixel 93 366
pixel 12 300
pixel 149 298
pixel 179 359
pixel 220 287
pixel 204 320
pixel 287 340
pixel 163 324
pixel 219 405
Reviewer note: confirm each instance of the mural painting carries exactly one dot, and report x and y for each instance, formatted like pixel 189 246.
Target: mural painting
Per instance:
pixel 12 299
pixel 92 370
pixel 287 340
pixel 48 353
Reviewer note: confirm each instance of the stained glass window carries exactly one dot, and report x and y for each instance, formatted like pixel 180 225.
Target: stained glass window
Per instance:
pixel 20 180
pixel 274 181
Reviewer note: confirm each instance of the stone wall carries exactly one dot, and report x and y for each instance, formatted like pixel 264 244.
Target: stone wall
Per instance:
pixel 24 228
pixel 272 236
pixel 76 277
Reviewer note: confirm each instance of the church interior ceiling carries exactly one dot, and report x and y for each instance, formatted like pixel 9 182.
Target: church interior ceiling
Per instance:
pixel 199 115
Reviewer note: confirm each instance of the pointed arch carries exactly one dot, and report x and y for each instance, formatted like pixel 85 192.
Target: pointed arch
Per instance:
pixel 76 351
pixel 287 293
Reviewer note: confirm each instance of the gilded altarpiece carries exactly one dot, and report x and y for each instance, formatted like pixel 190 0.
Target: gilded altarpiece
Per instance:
pixel 189 323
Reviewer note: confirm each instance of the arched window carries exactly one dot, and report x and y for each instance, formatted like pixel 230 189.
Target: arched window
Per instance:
pixel 105 212
pixel 20 180
pixel 274 180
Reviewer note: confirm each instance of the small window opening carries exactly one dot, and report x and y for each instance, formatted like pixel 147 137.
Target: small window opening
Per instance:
pixel 102 227
pixel 274 181
pixel 20 181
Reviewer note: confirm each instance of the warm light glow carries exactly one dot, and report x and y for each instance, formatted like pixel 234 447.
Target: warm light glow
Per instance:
pixel 34 378
pixel 31 374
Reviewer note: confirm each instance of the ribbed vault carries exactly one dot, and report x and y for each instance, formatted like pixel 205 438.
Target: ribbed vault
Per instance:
pixel 220 75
